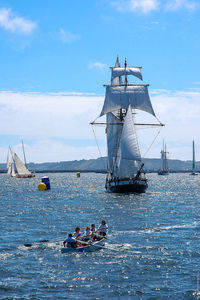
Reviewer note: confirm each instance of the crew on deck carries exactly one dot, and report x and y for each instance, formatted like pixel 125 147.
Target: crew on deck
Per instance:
pixel 103 228
pixel 70 241
pixel 90 235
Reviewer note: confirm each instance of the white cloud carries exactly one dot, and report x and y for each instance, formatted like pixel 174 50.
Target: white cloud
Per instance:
pixel 58 124
pixel 97 65
pixel 179 111
pixel 53 122
pixel 15 24
pixel 67 36
pixel 51 150
pixel 174 5
pixel 148 6
pixel 141 6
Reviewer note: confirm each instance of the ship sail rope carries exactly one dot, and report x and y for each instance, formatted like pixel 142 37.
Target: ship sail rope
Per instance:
pixel 148 149
pixel 144 126
pixel 97 142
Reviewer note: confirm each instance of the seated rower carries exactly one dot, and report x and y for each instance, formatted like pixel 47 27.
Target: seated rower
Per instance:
pixel 93 230
pixel 77 234
pixel 87 234
pixel 70 241
pixel 103 228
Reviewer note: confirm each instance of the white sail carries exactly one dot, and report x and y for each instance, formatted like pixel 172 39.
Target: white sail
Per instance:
pixel 8 163
pixel 13 174
pixel 20 167
pixel 129 143
pixel 121 71
pixel 129 149
pixel 114 128
pixel 118 97
pixel 9 168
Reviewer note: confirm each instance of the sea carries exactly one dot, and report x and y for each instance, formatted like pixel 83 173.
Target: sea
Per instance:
pixel 152 250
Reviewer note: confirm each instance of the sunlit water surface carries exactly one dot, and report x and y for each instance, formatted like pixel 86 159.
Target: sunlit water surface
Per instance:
pixel 159 252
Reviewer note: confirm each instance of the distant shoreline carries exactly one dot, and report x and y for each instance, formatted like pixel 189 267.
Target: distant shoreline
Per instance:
pixel 99 165
pixel 97 171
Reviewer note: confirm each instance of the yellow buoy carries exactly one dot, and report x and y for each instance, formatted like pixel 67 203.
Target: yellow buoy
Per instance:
pixel 42 186
pixel 78 174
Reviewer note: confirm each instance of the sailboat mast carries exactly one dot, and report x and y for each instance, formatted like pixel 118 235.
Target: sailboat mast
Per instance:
pixel 165 156
pixel 126 78
pixel 193 157
pixel 24 153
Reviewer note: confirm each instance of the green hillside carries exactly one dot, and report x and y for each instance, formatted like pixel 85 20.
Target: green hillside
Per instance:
pixel 99 165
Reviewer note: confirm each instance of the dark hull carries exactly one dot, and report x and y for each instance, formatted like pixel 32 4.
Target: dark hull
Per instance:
pixel 136 187
pixel 163 173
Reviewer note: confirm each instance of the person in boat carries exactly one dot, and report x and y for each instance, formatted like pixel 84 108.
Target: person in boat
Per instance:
pixel 103 228
pixel 77 236
pixel 87 234
pixel 70 241
pixel 77 233
pixel 93 230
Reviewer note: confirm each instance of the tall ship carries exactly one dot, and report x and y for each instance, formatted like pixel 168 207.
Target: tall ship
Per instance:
pixel 164 169
pixel 193 160
pixel 18 167
pixel 125 167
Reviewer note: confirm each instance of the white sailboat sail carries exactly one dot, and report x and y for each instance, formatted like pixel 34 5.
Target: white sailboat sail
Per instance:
pixel 120 71
pixel 122 96
pixel 7 162
pixel 129 143
pixel 8 165
pixel 13 174
pixel 9 169
pixel 130 153
pixel 20 166
pixel 114 128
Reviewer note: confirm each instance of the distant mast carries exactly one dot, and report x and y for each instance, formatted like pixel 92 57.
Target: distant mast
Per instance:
pixel 193 157
pixel 193 160
pixel 164 169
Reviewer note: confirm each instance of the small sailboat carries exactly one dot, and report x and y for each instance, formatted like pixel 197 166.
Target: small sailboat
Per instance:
pixel 164 169
pixel 193 160
pixel 21 169
pixel 124 171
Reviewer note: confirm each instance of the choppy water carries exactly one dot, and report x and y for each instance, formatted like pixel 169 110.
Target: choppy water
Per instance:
pixel 159 230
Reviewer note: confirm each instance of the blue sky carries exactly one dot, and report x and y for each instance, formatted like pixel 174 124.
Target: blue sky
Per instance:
pixel 55 57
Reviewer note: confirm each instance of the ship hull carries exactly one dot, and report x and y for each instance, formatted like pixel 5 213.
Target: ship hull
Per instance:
pixel 163 173
pixel 193 173
pixel 23 176
pixel 127 186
